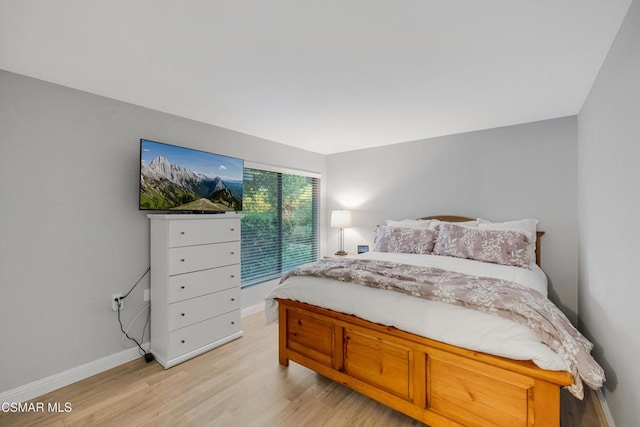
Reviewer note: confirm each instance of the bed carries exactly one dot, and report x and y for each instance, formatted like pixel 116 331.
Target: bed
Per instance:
pixel 368 339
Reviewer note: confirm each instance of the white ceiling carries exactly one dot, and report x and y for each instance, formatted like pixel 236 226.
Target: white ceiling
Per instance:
pixel 325 75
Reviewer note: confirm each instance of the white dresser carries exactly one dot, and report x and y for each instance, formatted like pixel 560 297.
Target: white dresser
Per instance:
pixel 195 284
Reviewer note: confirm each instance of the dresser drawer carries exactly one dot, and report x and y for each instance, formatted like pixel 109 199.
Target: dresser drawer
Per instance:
pixel 202 257
pixel 202 231
pixel 190 285
pixel 185 313
pixel 192 337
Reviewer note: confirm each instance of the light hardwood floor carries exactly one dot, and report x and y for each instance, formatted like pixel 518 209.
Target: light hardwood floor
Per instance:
pixel 239 384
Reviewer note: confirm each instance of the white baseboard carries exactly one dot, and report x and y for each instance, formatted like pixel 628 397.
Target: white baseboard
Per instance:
pixel 247 311
pixel 605 408
pixel 70 376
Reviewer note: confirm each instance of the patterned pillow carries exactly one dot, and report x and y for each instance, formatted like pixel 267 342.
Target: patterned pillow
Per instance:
pixel 526 226
pixel 404 240
pixel 505 247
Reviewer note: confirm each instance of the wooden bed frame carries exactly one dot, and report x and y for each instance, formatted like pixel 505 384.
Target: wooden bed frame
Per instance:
pixel 433 382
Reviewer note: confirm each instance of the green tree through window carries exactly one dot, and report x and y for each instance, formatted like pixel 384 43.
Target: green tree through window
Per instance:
pixel 280 224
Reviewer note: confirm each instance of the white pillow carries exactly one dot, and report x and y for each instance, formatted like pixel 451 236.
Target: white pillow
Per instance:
pixel 409 223
pixel 426 223
pixel 529 226
pixel 469 224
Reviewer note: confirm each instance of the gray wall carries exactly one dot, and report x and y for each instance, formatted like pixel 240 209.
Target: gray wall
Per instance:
pixel 609 184
pixel 525 171
pixel 71 232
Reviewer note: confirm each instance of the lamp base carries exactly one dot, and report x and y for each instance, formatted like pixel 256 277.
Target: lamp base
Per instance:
pixel 341 253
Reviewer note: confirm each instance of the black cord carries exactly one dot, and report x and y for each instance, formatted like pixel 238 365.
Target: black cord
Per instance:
pixel 146 323
pixel 134 286
pixel 127 335
pixel 148 357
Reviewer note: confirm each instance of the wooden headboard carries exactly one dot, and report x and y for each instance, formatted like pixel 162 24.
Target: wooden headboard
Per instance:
pixel 455 218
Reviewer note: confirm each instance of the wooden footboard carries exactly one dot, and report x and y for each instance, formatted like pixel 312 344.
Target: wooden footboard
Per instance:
pixel 436 383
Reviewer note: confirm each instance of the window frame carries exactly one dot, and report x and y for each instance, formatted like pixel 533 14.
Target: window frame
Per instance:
pixel 315 237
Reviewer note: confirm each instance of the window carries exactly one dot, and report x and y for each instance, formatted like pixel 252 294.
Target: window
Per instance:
pixel 280 223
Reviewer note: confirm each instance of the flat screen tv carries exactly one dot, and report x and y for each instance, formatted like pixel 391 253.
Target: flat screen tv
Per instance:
pixel 180 179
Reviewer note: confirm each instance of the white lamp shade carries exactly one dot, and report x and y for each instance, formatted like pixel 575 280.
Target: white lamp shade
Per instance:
pixel 340 219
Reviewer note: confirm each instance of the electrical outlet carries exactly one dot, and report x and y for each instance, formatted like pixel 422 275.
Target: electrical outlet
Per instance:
pixel 114 303
pixel 147 294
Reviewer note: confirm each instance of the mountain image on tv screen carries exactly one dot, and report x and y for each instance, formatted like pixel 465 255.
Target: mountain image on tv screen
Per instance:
pixel 184 179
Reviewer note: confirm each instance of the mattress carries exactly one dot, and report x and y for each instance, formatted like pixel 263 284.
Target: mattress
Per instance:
pixel 451 324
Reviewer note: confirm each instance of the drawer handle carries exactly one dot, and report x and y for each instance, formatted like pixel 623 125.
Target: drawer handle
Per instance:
pixel 182 341
pixel 233 229
pixel 182 260
pixel 232 322
pixel 181 287
pixel 233 253
pixel 233 276
pixel 182 314
pixel 182 232
pixel 232 299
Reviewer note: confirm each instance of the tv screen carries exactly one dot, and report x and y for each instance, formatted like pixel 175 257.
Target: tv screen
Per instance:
pixel 182 179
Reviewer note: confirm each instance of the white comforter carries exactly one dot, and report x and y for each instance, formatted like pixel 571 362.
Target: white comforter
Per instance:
pixel 443 322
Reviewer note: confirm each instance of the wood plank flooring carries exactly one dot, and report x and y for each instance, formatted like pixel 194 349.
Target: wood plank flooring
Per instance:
pixel 239 384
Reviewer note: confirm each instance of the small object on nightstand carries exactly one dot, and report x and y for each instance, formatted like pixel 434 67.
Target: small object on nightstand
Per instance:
pixel 363 249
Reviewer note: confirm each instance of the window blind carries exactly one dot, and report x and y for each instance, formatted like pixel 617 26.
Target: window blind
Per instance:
pixel 280 223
